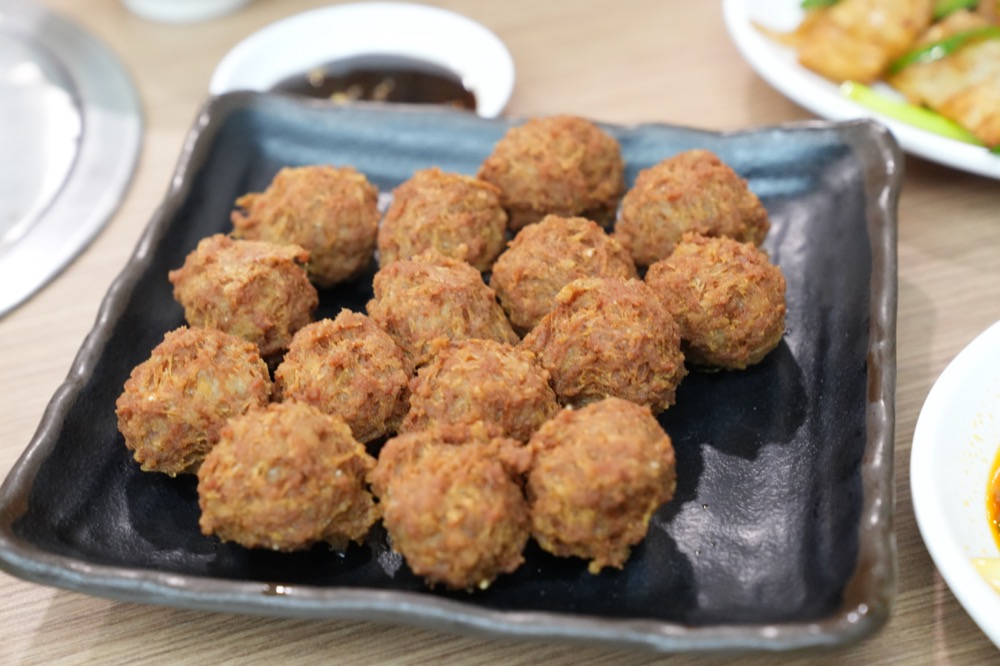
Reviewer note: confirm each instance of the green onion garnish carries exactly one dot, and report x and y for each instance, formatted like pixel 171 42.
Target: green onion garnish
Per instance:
pixel 943 47
pixel 943 8
pixel 816 4
pixel 917 116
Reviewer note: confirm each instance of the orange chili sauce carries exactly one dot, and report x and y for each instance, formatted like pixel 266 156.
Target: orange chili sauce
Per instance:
pixel 993 500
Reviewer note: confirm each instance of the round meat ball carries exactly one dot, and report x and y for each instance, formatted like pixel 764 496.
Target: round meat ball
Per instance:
pixel 426 301
pixel 562 165
pixel 452 504
pixel 610 337
pixel 331 212
pixel 458 215
pixel 254 290
pixel 174 403
pixel 545 257
pixel 598 475
pixel 286 477
pixel 693 191
pixel 726 296
pixel 482 380
pixel 350 367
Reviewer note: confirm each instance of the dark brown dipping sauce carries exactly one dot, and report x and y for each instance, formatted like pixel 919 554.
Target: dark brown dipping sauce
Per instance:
pixel 381 78
pixel 993 500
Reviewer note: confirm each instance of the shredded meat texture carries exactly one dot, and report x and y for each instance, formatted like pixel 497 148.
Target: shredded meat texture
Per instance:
pixel 458 215
pixel 610 337
pixel 431 299
pixel 452 504
pixel 285 478
pixel 174 404
pixel 693 191
pixel 255 290
pixel 726 296
pixel 855 40
pixel 482 381
pixel 349 367
pixel 331 212
pixel 598 474
pixel 545 257
pixel 562 165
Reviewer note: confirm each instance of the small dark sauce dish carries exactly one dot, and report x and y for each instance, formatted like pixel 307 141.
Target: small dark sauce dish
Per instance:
pixel 381 78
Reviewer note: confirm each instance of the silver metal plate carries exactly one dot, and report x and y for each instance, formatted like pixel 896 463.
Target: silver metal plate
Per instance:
pixel 70 133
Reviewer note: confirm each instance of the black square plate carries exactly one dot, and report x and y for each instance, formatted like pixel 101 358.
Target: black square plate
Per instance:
pixel 779 536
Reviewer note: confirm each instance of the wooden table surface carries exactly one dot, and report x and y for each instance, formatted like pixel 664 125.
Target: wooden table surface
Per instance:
pixel 619 61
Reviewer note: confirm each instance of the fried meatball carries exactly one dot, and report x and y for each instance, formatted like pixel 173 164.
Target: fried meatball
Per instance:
pixel 255 290
pixel 545 257
pixel 597 476
pixel 452 504
pixel 459 215
pixel 175 402
pixel 609 337
pixel 286 477
pixel 430 299
pixel 563 165
pixel 331 212
pixel 692 191
pixel 350 367
pixel 482 380
pixel 727 298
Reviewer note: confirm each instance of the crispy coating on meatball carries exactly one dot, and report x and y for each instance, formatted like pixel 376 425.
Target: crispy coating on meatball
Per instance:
pixel 175 402
pixel 350 367
pixel 331 212
pixel 609 337
pixel 286 477
pixel 254 290
pixel 459 215
pixel 598 475
pixel 692 191
pixel 563 165
pixel 430 299
pixel 545 257
pixel 726 296
pixel 452 504
pixel 482 380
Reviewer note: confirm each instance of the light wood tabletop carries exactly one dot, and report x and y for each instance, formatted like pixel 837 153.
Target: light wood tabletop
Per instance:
pixel 616 61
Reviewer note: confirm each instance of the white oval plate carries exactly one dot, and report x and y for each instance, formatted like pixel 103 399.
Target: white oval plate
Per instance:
pixel 312 38
pixel 777 65
pixel 954 445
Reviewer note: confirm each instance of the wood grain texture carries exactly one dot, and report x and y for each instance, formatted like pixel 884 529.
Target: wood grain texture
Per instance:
pixel 620 61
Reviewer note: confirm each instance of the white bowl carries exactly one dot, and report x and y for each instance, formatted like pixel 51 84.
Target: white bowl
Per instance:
pixel 301 42
pixel 954 446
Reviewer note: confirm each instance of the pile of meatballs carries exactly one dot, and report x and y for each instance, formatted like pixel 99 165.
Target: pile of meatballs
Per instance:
pixel 504 381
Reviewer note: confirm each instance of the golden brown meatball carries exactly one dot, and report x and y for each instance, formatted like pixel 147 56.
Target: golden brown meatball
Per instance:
pixel 331 212
pixel 430 299
pixel 691 191
pixel 458 215
pixel 609 337
pixel 350 367
pixel 175 402
pixel 286 477
pixel 254 290
pixel 727 298
pixel 482 380
pixel 452 505
pixel 563 165
pixel 598 474
pixel 545 257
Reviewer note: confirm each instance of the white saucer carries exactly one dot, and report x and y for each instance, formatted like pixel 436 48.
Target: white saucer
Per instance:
pixel 436 36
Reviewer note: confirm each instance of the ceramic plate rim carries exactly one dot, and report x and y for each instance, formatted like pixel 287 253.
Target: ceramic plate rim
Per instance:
pixel 776 64
pixel 954 406
pixel 474 52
